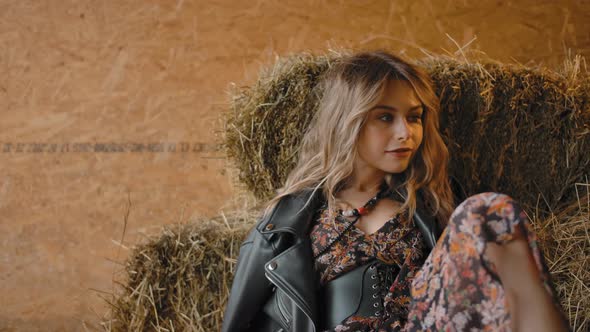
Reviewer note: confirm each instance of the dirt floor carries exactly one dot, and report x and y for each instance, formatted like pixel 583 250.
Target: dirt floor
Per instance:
pixel 110 116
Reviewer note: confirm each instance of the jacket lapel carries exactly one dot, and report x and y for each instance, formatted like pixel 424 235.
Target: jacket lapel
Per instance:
pixel 293 214
pixel 293 270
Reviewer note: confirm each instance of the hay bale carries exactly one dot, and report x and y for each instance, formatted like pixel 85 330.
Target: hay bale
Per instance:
pixel 564 239
pixel 180 280
pixel 265 122
pixel 521 131
pixel 524 132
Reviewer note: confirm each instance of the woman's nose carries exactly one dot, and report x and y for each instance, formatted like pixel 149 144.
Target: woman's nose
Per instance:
pixel 402 129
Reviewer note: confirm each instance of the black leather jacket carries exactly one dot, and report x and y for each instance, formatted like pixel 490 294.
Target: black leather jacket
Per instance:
pixel 275 285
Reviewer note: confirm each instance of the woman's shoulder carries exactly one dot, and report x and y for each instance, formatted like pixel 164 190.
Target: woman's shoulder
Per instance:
pixel 313 196
pixel 288 208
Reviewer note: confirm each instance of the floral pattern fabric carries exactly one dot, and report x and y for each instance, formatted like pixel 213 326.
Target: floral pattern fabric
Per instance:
pixel 394 243
pixel 452 288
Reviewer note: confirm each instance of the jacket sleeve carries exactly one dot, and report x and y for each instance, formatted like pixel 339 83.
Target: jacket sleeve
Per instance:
pixel 250 288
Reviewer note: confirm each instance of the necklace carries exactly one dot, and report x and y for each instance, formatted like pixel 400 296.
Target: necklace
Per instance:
pixel 356 213
pixel 363 210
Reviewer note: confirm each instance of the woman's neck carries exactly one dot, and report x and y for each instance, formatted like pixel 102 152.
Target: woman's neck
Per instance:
pixel 365 179
pixel 358 190
pixel 366 185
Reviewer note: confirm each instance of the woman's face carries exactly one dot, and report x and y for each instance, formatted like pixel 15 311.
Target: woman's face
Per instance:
pixel 395 123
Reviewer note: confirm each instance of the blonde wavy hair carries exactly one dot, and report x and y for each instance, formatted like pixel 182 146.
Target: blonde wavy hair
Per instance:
pixel 350 88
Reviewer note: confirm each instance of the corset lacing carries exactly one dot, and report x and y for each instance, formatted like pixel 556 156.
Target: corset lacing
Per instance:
pixel 383 279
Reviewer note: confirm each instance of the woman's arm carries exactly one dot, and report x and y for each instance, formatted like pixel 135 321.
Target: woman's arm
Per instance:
pixel 250 288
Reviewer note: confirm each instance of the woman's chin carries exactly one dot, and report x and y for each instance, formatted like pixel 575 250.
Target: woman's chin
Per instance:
pixel 396 169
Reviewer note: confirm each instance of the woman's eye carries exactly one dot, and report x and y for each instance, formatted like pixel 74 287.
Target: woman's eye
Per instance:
pixel 386 117
pixel 389 118
pixel 416 118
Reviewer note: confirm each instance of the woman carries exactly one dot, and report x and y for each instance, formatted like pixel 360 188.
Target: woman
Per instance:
pixel 358 238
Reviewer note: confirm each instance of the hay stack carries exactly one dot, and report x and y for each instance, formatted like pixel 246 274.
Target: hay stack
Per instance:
pixel 266 121
pixel 524 132
pixel 180 279
pixel 565 241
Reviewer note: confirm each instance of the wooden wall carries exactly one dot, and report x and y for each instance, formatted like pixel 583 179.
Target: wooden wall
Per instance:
pixel 109 116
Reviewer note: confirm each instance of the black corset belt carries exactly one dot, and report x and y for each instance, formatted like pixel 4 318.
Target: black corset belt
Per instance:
pixel 358 292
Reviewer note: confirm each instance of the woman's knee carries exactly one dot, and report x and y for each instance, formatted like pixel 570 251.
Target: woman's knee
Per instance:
pixel 497 213
pixel 488 202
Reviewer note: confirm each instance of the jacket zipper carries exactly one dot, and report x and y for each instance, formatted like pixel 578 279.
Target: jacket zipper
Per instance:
pixel 291 296
pixel 282 309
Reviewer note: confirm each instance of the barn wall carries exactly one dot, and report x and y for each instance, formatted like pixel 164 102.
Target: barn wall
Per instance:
pixel 109 116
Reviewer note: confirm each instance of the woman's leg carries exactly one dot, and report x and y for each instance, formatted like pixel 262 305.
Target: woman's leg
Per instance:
pixel 530 305
pixel 462 285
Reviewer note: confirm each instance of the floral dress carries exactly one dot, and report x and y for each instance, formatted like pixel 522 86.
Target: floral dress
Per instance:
pixel 393 243
pixel 451 288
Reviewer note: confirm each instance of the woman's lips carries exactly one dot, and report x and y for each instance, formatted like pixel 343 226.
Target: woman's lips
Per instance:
pixel 400 153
